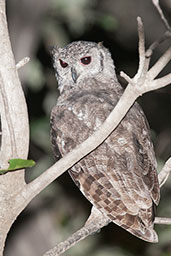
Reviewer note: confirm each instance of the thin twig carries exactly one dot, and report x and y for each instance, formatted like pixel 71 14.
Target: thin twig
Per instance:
pixel 155 44
pixel 166 35
pixel 160 64
pixel 141 49
pixel 126 77
pixel 156 4
pixel 161 82
pixel 165 172
pixel 22 62
pixel 162 221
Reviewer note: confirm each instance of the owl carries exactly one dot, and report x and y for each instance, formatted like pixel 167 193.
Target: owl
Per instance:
pixel 119 177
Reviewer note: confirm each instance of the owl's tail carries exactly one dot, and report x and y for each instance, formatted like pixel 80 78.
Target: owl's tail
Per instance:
pixel 137 227
pixel 148 234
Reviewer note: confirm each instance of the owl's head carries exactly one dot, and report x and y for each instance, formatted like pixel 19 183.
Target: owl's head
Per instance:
pixel 80 61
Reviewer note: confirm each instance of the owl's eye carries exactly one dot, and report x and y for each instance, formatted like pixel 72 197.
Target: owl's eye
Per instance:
pixel 63 63
pixel 86 60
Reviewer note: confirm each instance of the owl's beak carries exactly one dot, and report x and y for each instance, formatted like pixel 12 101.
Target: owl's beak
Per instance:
pixel 74 75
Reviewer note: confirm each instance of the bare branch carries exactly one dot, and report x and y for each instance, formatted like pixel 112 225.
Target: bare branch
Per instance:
pixel 156 4
pixel 154 45
pixel 141 47
pixel 166 35
pixel 141 38
pixel 161 82
pixel 160 64
pixel 165 172
pixel 162 220
pixel 15 130
pixel 143 61
pixel 126 77
pixel 15 134
pixel 22 62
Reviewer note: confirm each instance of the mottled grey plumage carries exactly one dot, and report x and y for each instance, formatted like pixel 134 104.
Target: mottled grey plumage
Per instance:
pixel 119 177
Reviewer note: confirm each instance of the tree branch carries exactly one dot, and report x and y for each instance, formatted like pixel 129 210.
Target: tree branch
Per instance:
pixel 141 49
pixel 161 82
pixel 165 172
pixel 162 221
pixel 156 4
pixel 15 133
pixel 22 62
pixel 15 130
pixel 154 45
pixel 166 35
pixel 160 64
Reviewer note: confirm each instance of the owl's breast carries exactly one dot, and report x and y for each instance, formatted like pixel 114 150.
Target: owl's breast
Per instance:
pixel 77 117
pixel 91 108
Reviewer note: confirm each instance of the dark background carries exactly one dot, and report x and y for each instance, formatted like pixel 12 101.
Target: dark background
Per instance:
pixel 61 209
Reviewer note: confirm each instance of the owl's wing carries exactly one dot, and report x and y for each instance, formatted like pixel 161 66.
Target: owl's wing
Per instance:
pixel 119 177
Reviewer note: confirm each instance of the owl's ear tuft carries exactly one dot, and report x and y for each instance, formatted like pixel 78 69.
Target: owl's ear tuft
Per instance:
pixel 101 48
pixel 100 44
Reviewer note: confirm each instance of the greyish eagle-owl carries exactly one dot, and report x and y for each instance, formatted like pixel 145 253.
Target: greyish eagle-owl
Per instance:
pixel 119 177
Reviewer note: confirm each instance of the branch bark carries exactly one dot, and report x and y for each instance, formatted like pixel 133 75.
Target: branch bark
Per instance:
pixel 164 174
pixel 156 4
pixel 15 130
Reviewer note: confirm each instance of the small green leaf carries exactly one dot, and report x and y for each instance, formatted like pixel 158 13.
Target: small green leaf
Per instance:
pixel 18 163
